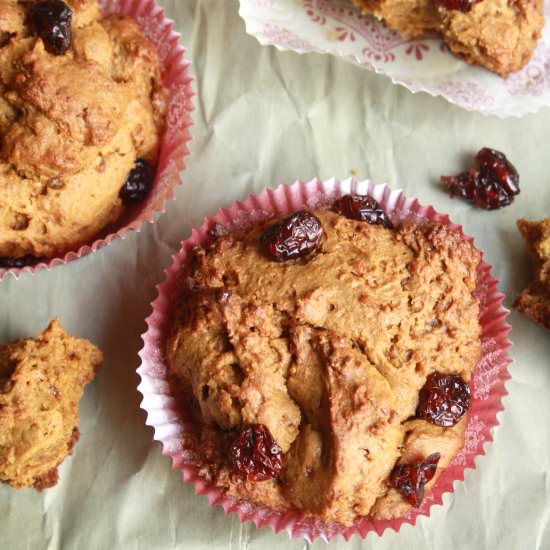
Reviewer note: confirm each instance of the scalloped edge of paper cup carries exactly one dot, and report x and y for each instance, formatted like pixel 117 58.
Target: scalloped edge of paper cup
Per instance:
pixel 175 140
pixel 171 423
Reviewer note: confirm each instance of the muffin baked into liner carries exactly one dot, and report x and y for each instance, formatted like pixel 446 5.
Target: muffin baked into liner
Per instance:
pixel 174 141
pixel 174 426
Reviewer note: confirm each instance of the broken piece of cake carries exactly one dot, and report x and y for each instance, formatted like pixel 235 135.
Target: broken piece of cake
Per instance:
pixel 500 35
pixel 41 382
pixel 534 301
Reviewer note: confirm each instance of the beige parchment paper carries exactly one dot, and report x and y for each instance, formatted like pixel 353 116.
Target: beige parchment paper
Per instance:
pixel 263 118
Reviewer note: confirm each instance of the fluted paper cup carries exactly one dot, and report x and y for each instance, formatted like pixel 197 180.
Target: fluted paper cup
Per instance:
pixel 173 424
pixel 175 69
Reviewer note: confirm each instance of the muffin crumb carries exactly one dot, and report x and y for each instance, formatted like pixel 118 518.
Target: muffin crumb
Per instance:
pixel 534 301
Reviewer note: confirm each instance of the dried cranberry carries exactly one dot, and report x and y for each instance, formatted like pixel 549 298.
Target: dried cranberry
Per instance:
pixel 7 262
pixel 444 399
pixel 362 208
pixel 493 185
pixel 494 164
pixel 138 183
pixel 5 38
pixel 51 21
pixel 292 237
pixel 460 5
pixel 409 479
pixel 255 455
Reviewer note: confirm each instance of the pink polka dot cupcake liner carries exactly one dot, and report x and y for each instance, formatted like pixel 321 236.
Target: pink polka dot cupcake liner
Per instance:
pixel 176 76
pixel 174 427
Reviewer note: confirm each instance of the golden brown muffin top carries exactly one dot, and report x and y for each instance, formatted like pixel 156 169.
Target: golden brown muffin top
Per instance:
pixel 329 352
pixel 72 126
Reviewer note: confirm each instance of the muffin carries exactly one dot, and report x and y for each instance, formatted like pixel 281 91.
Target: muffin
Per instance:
pixel 326 357
pixel 41 382
pixel 500 35
pixel 534 301
pixel 82 109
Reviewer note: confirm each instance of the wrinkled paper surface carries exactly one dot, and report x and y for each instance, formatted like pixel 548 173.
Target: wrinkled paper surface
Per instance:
pixel 265 118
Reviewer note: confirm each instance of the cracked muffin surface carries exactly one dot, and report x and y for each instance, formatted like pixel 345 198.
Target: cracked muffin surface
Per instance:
pixel 72 126
pixel 41 382
pixel 329 352
pixel 500 35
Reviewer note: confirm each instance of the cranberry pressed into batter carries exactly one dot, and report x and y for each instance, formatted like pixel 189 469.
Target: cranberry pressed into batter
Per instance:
pixel 138 183
pixel 444 399
pixel 461 5
pixel 410 479
pixel 362 208
pixel 255 455
pixel 292 237
pixel 51 21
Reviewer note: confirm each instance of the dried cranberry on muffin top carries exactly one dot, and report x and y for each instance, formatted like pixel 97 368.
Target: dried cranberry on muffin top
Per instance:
pixel 82 109
pixel 305 367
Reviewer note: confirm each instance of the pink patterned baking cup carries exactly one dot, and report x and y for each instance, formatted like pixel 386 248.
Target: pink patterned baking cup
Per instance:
pixel 173 425
pixel 174 143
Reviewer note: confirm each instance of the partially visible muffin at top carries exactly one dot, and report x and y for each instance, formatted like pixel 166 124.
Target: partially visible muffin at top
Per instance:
pixel 500 35
pixel 326 356
pixel 82 109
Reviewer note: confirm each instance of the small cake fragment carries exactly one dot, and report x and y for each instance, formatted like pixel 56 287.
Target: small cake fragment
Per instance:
pixel 534 301
pixel 41 382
